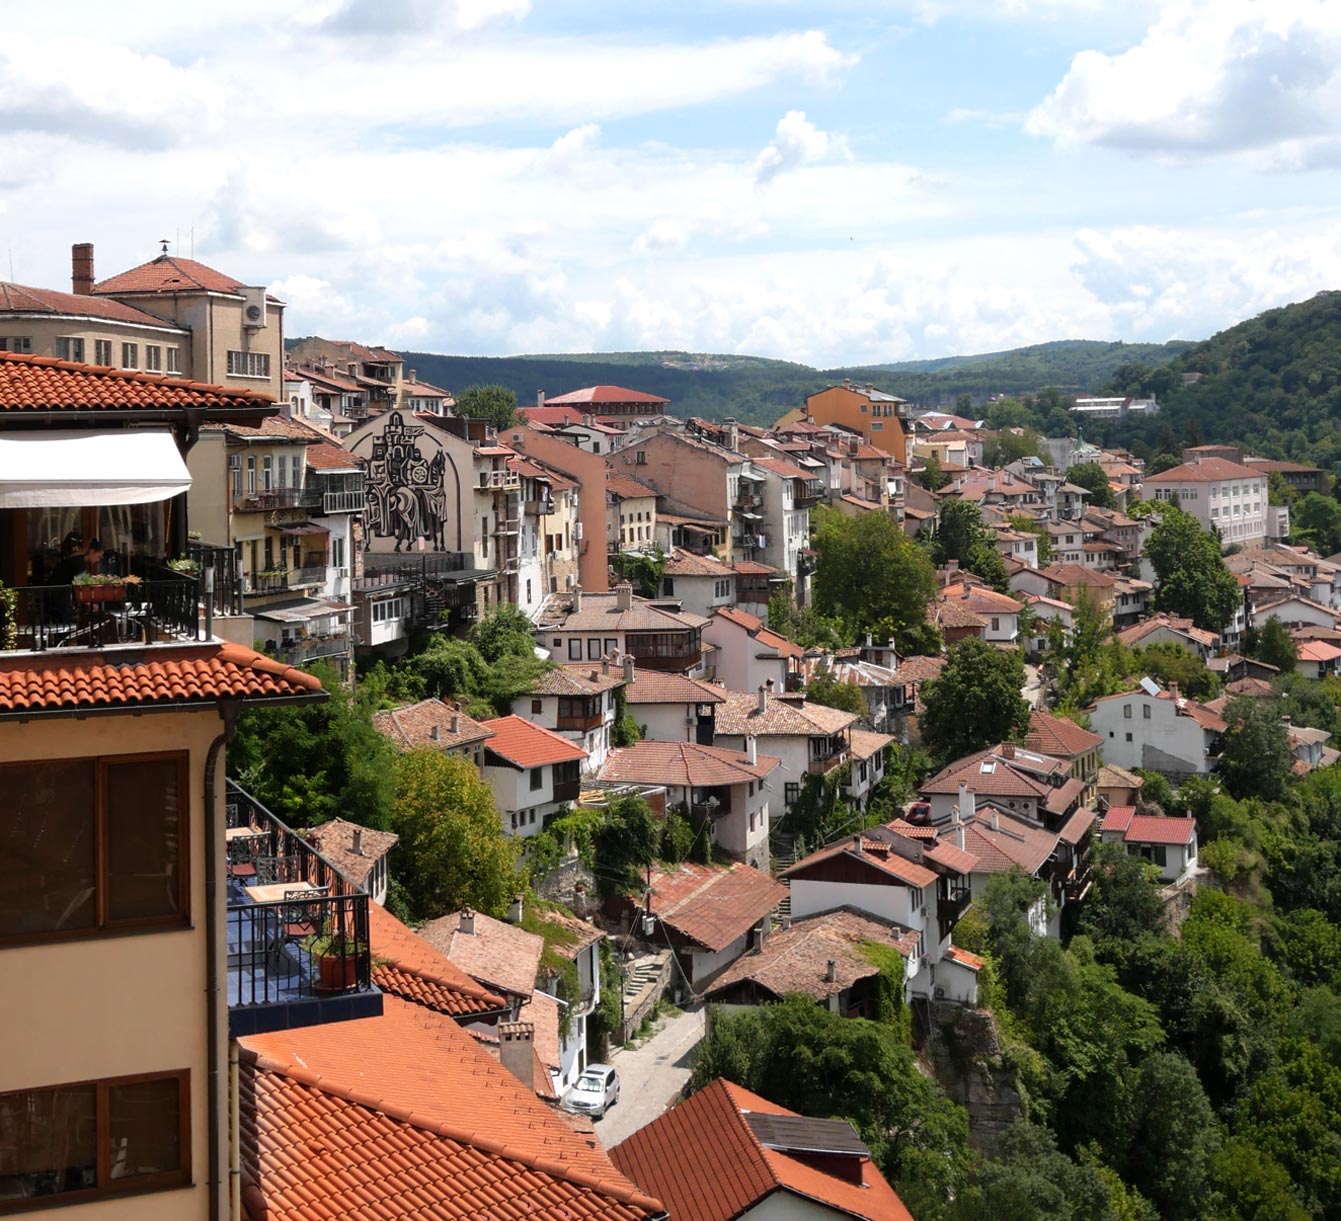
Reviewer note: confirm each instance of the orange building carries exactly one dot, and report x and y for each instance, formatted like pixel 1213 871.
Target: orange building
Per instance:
pixel 880 417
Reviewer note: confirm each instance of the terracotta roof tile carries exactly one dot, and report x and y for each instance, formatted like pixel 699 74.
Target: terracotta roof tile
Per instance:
pixel 169 274
pixel 603 394
pixel 796 959
pixel 683 563
pixel 403 1116
pixel 707 1164
pixel 864 744
pixel 601 613
pixel 980 600
pixel 523 744
pixel 965 959
pixel 666 687
pixel 191 674
pixel 575 679
pixel 43 383
pixel 405 965
pixel 1208 470
pixel 19 299
pixel 335 841
pixel 710 905
pixel 626 487
pixel 1012 842
pixel 499 954
pixel 1058 736
pixel 781 716
pixel 1153 829
pixel 412 725
pixel 685 764
pixel 874 853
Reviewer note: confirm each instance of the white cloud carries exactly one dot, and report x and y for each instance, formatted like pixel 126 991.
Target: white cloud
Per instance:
pixel 380 20
pixel 797 142
pixel 570 147
pixel 662 235
pixel 1208 78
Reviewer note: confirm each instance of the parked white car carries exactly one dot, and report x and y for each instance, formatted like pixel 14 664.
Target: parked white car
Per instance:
pixel 596 1091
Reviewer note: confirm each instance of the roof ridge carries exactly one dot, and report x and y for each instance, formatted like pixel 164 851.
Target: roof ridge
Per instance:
pixel 559 1170
pixel 131 375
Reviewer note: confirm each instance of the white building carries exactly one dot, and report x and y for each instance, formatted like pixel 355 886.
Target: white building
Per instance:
pixel 532 771
pixel 672 707
pixel 1168 843
pixel 1158 730
pixel 1226 497
pixel 748 652
pixel 577 702
pixel 700 583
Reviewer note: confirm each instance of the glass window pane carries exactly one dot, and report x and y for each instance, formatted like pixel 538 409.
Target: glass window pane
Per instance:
pixel 142 832
pixel 143 1128
pixel 47 850
pixel 48 1141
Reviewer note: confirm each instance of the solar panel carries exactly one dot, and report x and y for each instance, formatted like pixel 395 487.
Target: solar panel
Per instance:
pixel 1150 686
pixel 798 1134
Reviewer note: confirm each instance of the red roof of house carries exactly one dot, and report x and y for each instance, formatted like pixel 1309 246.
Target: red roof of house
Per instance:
pixel 875 853
pixel 965 959
pixel 756 628
pixel 191 674
pixel 524 744
pixel 169 274
pixel 19 299
pixel 43 383
pixel 405 965
pixel 711 905
pixel 1153 829
pixel 685 764
pixel 404 1116
pixel 499 954
pixel 1208 470
pixel 1059 736
pixel 604 394
pixel 706 1163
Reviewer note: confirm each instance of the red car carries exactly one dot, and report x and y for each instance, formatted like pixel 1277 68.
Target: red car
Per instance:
pixel 918 813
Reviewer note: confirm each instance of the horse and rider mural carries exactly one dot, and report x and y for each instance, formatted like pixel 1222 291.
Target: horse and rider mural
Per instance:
pixel 404 468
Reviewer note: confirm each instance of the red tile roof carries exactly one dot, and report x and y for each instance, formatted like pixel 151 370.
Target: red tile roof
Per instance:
pixel 980 600
pixel 1013 842
pixel 1208 470
pixel 18 299
pixel 550 415
pixel 405 965
pixel 499 954
pixel 681 563
pixel 604 394
pixel 713 906
pixel 169 274
pixel 707 1164
pixel 1153 829
pixel 30 384
pixel 1059 736
pixel 191 674
pixel 755 626
pixel 525 745
pixel 685 764
pixel 666 687
pixel 412 725
pixel 403 1117
pixel 626 487
pixel 965 959
pixel 876 854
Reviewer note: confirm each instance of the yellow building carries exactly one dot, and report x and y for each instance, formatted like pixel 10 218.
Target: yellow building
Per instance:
pixel 880 417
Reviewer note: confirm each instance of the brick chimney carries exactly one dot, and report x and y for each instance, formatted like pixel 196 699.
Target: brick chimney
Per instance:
pixel 628 669
pixel 516 1050
pixel 1008 750
pixel 624 596
pixel 467 924
pixel 81 268
pixel 763 698
pixel 358 841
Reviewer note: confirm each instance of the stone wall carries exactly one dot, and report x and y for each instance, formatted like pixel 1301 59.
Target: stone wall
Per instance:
pixel 965 1052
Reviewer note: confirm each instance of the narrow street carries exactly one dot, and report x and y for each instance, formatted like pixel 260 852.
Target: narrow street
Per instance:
pixel 651 1075
pixel 1033 686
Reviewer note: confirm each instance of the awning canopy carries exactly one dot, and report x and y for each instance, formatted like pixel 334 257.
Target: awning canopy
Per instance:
pixel 301 611
pixel 304 527
pixel 130 467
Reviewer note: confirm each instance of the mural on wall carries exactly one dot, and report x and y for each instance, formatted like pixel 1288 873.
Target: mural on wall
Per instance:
pixel 406 500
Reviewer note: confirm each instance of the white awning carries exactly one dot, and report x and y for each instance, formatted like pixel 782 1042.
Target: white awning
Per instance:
pixel 130 467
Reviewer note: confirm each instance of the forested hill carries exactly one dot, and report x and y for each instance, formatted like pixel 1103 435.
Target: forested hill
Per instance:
pixel 757 391
pixel 1273 382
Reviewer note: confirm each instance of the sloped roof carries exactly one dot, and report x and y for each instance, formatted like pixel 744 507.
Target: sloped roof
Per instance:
pixel 781 716
pixel 980 599
pixel 19 299
pixel 169 274
pixel 796 959
pixel 603 394
pixel 757 629
pixel 33 384
pixel 191 674
pixel 1113 777
pixel 1208 470
pixel 335 841
pixel 1059 736
pixel 499 954
pixel 685 764
pixel 1148 828
pixel 711 905
pixel 524 744
pixel 873 852
pixel 626 487
pixel 412 725
pixel 602 613
pixel 708 1164
pixel 667 687
pixel 863 744
pixel 988 773
pixel 578 679
pixel 683 563
pixel 403 1116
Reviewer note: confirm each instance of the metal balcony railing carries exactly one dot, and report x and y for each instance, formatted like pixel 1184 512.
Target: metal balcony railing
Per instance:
pixel 146 612
pixel 277 498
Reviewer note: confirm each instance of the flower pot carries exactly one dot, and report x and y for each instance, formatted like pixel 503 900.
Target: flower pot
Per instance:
pixel 337 973
pixel 100 593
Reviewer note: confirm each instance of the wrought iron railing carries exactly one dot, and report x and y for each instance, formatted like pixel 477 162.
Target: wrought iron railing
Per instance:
pixel 142 612
pixel 277 498
pixel 226 596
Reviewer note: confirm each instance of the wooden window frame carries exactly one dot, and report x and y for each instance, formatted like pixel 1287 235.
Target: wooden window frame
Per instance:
pixel 104 925
pixel 107 1187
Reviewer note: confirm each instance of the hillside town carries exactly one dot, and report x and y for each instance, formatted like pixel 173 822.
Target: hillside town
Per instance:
pixel 424 802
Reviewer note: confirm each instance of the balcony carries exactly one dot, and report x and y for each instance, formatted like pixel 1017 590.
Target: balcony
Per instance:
pixel 499 481
pixel 286 903
pixel 311 574
pixel 506 525
pixel 567 790
pixel 581 724
pixel 343 502
pixel 950 906
pixel 676 656
pixel 277 498
pixel 297 652
pixel 225 596
pixel 162 610
pixel 821 765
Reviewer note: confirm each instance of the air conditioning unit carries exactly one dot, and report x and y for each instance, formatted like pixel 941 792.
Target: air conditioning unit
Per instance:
pixel 253 309
pixel 939 994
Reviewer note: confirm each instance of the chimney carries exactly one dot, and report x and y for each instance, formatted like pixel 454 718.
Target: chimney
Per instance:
pixel 358 841
pixel 996 819
pixel 515 911
pixel 577 598
pixel 413 375
pixel 1173 691
pixel 81 268
pixel 628 669
pixel 455 723
pixel 596 674
pixel 870 389
pixel 1008 750
pixel 959 836
pixel 847 383
pixel 966 803
pixel 762 934
pixel 539 398
pixel 732 433
pixel 624 596
pixel 752 750
pixel 516 1050
pixel 605 666
pixel 435 733
pixel 467 924
pixel 830 971
pixel 763 698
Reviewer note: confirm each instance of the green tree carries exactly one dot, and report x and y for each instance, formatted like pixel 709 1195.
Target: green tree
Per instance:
pixel 1253 1186
pixel 827 690
pixel 1171 663
pixel 871 576
pixel 961 536
pixel 625 844
pixel 933 477
pixel 1004 447
pixel 1192 579
pixel 1255 757
pixel 1275 646
pixel 976 701
pixel 799 1055
pixel 1031 525
pixel 495 404
pixel 1125 902
pixel 452 851
pixel 1094 479
pixel 502 632
pixel 1315 521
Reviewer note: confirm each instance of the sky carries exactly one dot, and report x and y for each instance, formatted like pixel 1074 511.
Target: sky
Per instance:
pixel 836 183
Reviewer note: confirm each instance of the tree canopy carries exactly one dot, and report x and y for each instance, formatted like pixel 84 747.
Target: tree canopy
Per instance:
pixel 493 403
pixel 1094 479
pixel 976 701
pixel 1192 580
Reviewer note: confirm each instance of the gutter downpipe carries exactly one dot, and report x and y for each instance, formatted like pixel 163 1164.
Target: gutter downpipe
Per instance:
pixel 228 710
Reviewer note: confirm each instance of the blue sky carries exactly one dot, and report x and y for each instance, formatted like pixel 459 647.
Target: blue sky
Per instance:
pixel 835 183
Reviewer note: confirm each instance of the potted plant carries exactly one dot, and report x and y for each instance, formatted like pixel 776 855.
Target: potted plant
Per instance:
pixel 187 567
pixel 102 587
pixel 336 956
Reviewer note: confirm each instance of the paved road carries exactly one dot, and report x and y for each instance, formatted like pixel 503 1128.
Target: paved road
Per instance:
pixel 651 1075
pixel 1033 686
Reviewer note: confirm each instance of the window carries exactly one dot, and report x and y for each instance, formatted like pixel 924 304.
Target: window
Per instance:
pixel 537 778
pixel 1129 737
pixel 69 349
pixel 996 625
pixel 153 358
pixel 175 360
pixel 267 473
pixel 248 364
pixel 22 344
pixel 130 355
pixel 594 650
pixel 103 843
pixel 96 1137
pixel 102 351
pixel 574 650
pixel 1160 855
pixel 251 474
pixel 537 706
pixel 1126 711
pixel 611 645
pixel 1145 711
pixel 791 792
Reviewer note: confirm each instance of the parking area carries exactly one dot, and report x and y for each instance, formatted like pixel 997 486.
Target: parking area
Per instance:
pixel 651 1075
